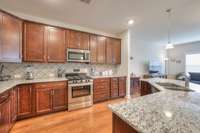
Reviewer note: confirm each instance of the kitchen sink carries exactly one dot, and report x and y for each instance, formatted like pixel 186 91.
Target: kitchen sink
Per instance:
pixel 172 86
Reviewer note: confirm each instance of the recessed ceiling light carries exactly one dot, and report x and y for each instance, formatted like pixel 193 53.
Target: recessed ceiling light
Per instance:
pixel 130 22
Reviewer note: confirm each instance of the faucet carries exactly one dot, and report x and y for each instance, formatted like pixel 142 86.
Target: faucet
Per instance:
pixel 187 80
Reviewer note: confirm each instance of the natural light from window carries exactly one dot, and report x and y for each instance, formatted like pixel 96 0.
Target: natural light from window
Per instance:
pixel 193 63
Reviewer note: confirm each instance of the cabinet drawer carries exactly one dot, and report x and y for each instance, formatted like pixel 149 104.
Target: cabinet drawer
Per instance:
pixel 50 85
pixel 102 80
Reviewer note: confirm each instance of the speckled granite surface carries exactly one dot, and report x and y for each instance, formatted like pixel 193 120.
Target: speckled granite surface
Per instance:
pixel 162 112
pixel 5 85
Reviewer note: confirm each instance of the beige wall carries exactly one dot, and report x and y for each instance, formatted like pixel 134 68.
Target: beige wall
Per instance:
pixel 177 56
pixel 142 52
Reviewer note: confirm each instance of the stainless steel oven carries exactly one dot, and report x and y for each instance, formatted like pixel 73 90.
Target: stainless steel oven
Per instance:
pixel 80 95
pixel 76 55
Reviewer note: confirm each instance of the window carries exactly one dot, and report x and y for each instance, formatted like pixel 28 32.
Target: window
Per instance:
pixel 193 63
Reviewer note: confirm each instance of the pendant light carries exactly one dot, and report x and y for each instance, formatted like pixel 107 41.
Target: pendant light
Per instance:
pixel 170 44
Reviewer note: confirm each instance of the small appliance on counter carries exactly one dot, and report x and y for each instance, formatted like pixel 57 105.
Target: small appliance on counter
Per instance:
pixel 80 89
pixel 29 73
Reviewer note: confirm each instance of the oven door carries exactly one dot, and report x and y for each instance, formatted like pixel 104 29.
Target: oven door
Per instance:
pixel 74 55
pixel 80 92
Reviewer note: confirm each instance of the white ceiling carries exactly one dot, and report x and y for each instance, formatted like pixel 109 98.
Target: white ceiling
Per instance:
pixel 112 15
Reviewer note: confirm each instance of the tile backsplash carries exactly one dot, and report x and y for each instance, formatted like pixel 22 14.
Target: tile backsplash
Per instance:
pixel 18 70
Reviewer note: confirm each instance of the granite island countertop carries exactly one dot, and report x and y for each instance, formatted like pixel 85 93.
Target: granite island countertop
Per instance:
pixel 6 85
pixel 162 112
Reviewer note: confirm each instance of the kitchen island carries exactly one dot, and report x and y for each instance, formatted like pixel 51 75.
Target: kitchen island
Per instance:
pixel 166 111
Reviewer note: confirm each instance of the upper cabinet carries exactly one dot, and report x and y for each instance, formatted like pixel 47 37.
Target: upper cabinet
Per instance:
pixel 43 43
pixel 78 40
pixel 117 51
pixel 113 51
pixel 101 49
pixel 93 49
pixel 47 44
pixel 104 50
pixel 97 49
pixel 55 43
pixel 33 42
pixel 10 38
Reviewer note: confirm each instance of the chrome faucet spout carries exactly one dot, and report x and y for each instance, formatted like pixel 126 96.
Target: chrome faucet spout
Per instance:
pixel 187 80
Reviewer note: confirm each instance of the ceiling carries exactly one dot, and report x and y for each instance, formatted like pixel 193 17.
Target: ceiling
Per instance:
pixel 111 16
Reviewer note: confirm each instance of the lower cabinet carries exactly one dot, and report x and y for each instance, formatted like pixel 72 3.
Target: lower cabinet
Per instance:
pixel 122 86
pixel 43 100
pixel 109 88
pixel 145 88
pixel 114 89
pixel 50 97
pixel 5 113
pixel 25 101
pixel 13 105
pixel 101 90
pixel 118 87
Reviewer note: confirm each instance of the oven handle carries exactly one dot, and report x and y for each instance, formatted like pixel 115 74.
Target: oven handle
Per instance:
pixel 80 84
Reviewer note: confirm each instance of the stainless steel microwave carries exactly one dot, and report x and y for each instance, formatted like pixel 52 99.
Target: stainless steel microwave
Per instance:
pixel 76 55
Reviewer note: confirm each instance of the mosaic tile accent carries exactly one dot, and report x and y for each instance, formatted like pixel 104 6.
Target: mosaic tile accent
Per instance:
pixel 18 70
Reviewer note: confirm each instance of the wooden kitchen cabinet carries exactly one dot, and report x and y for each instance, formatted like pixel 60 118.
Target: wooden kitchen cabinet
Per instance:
pixel 114 89
pixel 43 99
pixel 145 88
pixel 13 105
pixel 109 51
pixel 5 113
pixel 60 96
pixel 34 50
pixel 113 51
pixel 93 49
pixel 101 89
pixel 10 38
pixel 101 49
pixel 55 43
pixel 43 43
pixel 78 40
pixel 122 86
pixel 117 51
pixel 97 49
pixel 25 101
pixel 50 97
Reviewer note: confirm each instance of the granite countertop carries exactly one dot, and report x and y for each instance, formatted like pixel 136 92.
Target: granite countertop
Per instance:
pixel 6 85
pixel 163 112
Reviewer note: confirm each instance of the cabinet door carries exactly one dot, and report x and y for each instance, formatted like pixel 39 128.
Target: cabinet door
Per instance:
pixel 14 105
pixel 33 42
pixel 84 41
pixel 93 49
pixel 101 47
pixel 122 86
pixel 55 42
pixel 145 88
pixel 11 39
pixel 43 100
pixel 117 51
pixel 101 89
pixel 59 96
pixel 109 51
pixel 114 88
pixel 74 40
pixel 5 123
pixel 25 101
